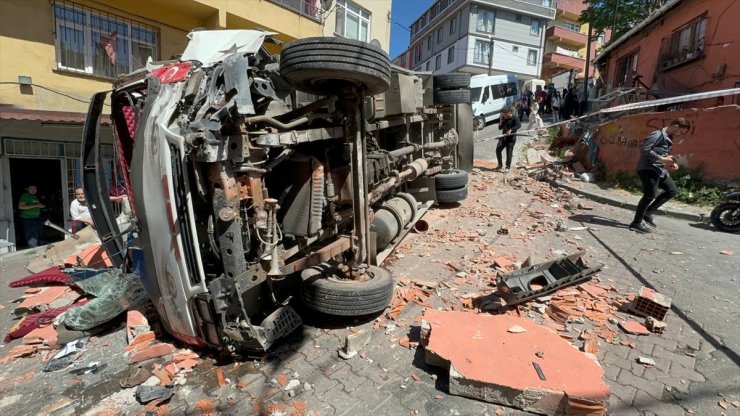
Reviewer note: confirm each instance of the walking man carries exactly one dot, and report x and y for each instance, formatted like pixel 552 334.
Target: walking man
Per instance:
pixel 508 124
pixel 29 208
pixel 653 170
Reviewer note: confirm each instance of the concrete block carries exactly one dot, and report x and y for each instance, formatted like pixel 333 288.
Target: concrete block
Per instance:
pixel 354 343
pixel 488 363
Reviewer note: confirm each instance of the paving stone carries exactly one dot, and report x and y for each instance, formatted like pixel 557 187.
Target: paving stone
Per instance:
pixel 646 403
pixel 611 371
pixel 612 359
pixel 618 350
pixel 684 360
pixel 661 363
pixel 320 383
pixel 615 406
pixel 340 400
pixel 324 409
pixel 637 369
pixel 645 348
pixel 691 342
pixel 348 378
pixel 668 343
pixel 653 388
pixel 680 371
pixel 625 393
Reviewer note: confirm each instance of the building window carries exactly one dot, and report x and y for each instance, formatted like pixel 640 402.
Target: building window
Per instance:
pixel 451 54
pixel 429 65
pixel 534 28
pixel 626 65
pixel 485 21
pixel 532 57
pixel 92 42
pixel 439 35
pixel 518 18
pixel 438 62
pixel 515 48
pixel 429 42
pixel 417 54
pixel 482 49
pixel 600 39
pixel 453 25
pixel 545 3
pixel 571 26
pixel 684 44
pixel 353 21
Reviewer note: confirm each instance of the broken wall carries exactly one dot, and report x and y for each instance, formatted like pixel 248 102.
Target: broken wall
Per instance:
pixel 713 142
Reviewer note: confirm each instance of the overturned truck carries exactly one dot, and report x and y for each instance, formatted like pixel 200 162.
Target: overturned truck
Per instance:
pixel 256 179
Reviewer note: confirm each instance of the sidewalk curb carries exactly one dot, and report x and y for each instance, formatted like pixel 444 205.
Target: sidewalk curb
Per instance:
pixel 670 212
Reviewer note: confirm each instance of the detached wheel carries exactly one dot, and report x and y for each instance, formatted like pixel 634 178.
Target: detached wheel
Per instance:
pixel 452 97
pixel 314 65
pixel 453 81
pixel 326 293
pixel 446 196
pixel 480 123
pixel 452 179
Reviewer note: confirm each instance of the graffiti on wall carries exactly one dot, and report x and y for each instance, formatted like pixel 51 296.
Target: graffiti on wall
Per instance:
pixel 618 139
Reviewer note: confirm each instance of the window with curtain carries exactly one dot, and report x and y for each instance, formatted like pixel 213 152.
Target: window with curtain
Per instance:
pixel 352 21
pixel 532 57
pixel 451 54
pixel 480 55
pixel 485 21
pixel 102 44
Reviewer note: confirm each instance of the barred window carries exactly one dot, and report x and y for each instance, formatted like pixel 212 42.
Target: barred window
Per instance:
pixel 102 44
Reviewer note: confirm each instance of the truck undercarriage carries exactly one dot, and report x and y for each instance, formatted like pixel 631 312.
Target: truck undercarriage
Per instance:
pixel 255 179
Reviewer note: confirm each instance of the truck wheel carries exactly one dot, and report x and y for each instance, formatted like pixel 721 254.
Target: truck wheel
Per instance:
pixel 452 179
pixel 452 81
pixel 446 196
pixel 329 294
pixel 314 65
pixel 480 123
pixel 452 97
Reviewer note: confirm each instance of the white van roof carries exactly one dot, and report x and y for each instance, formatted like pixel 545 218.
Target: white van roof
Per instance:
pixel 483 79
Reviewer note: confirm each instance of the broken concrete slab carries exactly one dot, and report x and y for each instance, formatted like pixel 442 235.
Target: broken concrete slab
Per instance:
pixel 632 327
pixel 354 343
pixel 488 363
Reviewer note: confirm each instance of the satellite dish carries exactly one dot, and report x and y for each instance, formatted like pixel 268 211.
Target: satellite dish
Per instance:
pixel 326 4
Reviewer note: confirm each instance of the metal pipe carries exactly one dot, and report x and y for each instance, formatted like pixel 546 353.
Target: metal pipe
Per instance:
pixel 407 150
pixel 60 229
pixel 276 123
pixel 308 108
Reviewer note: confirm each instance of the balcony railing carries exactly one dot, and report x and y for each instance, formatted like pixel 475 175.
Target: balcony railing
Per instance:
pixel 310 9
pixel 556 60
pixel 570 8
pixel 562 35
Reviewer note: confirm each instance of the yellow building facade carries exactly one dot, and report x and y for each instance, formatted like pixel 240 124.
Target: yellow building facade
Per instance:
pixel 55 54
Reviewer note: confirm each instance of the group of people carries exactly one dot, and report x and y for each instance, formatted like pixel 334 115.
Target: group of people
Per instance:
pixel 30 213
pixel 562 106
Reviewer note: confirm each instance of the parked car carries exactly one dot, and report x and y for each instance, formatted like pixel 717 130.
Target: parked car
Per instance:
pixel 257 180
pixel 490 94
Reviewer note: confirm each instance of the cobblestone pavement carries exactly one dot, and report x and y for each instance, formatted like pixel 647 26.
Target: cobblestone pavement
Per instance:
pixel 696 358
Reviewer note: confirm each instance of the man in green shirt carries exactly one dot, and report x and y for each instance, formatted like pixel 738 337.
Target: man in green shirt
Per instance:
pixel 30 214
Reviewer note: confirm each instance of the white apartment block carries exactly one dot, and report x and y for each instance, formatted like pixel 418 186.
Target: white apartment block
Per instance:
pixel 470 35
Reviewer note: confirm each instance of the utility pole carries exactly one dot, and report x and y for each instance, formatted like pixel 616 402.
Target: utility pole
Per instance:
pixel 490 55
pixel 588 62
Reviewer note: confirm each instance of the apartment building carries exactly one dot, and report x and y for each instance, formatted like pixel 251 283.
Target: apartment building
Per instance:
pixel 566 41
pixel 55 54
pixel 481 36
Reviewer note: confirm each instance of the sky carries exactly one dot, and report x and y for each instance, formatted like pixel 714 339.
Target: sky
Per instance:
pixel 403 13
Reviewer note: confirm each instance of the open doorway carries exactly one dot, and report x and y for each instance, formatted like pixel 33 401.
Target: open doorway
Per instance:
pixel 46 174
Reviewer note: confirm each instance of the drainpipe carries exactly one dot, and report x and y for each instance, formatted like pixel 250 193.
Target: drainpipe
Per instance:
pixel 490 55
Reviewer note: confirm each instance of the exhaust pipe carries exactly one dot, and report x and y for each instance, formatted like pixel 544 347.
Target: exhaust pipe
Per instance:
pixel 421 226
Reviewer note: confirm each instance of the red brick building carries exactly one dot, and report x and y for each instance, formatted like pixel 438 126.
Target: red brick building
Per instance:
pixel 686 46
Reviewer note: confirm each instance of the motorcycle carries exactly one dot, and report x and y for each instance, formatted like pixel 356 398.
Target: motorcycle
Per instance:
pixel 726 216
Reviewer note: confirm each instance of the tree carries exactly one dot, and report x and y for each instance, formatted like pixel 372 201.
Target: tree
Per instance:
pixel 618 15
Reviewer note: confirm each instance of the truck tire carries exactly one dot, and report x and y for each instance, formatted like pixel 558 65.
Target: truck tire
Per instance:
pixel 452 81
pixel 334 296
pixel 451 97
pixel 465 143
pixel 446 196
pixel 314 65
pixel 452 179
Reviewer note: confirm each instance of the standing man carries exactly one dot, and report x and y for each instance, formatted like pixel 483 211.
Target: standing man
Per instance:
pixel 30 215
pixel 653 167
pixel 508 124
pixel 79 211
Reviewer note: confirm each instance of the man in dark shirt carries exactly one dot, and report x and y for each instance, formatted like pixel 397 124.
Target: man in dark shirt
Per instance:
pixel 508 124
pixel 653 167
